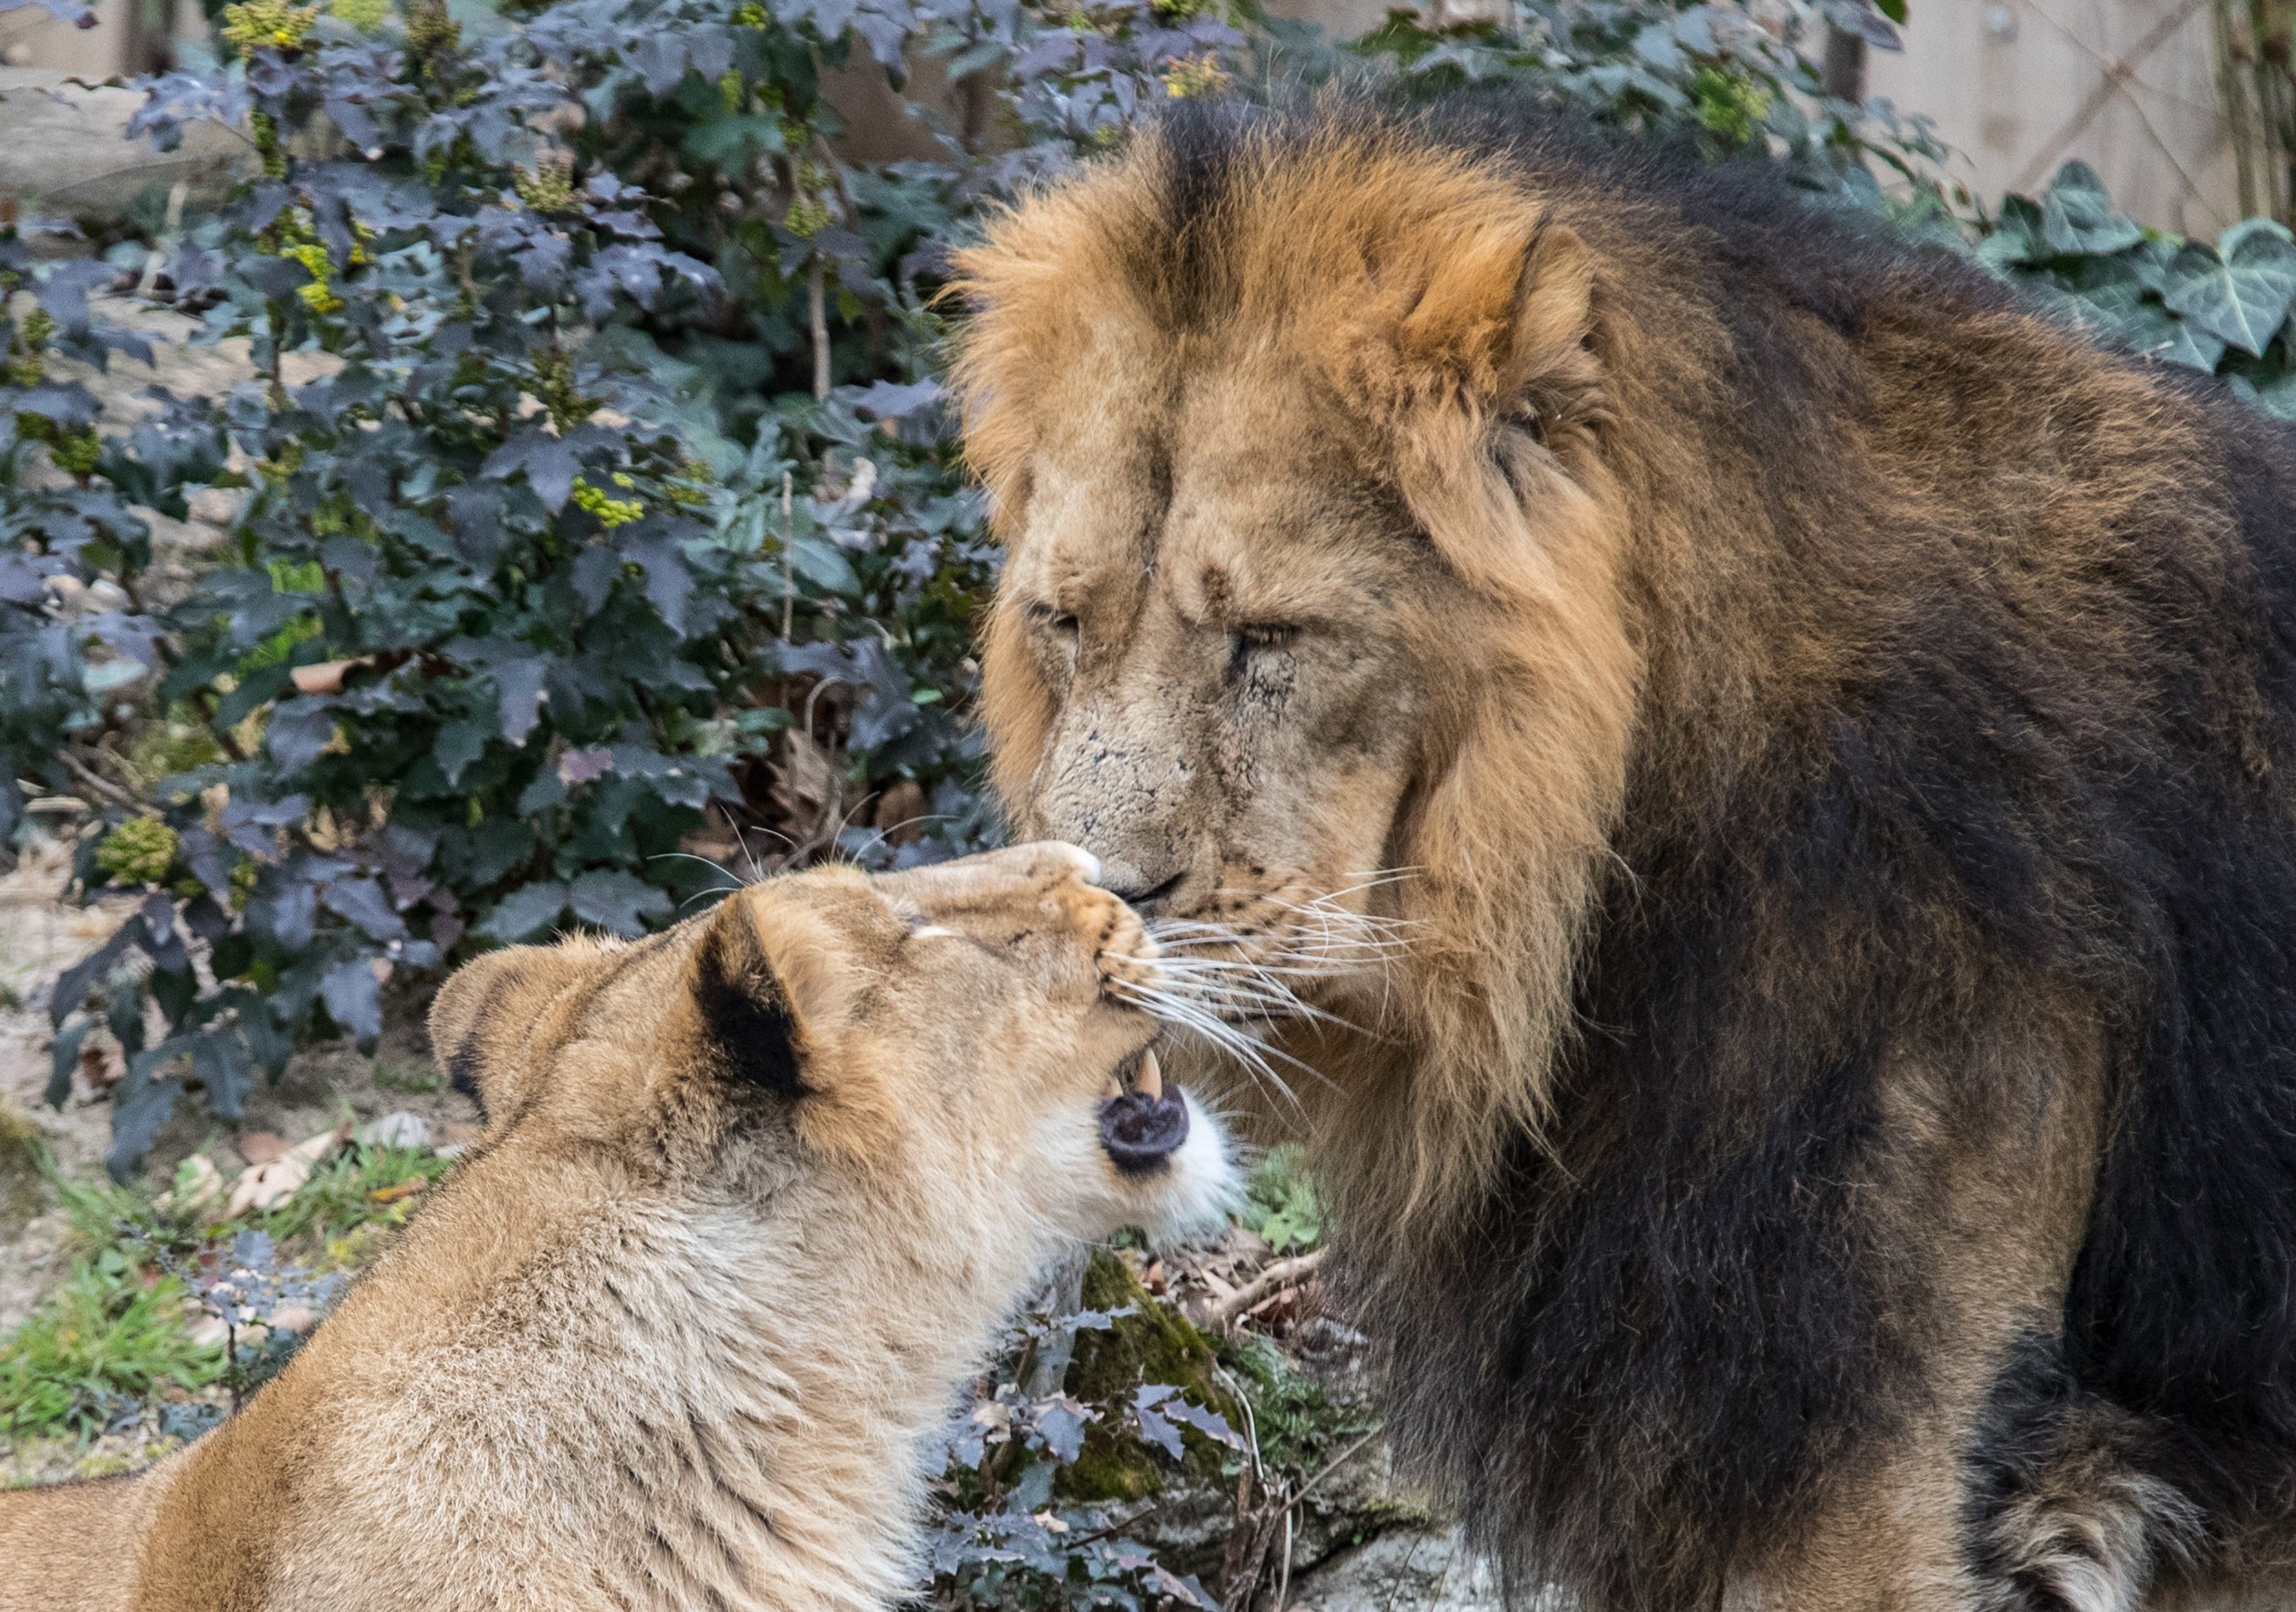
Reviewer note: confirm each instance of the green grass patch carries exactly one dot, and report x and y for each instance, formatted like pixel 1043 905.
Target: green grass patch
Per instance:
pixel 117 1332
pixel 109 1337
pixel 416 1079
pixel 365 1190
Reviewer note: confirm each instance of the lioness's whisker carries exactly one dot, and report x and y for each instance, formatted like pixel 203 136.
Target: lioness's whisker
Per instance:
pixel 1232 1039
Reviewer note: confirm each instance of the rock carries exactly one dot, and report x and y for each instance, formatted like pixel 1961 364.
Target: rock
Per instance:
pixel 64 149
pixel 398 1128
pixel 1409 1571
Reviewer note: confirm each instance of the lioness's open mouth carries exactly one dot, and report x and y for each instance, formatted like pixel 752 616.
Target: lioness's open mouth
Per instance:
pixel 1142 1123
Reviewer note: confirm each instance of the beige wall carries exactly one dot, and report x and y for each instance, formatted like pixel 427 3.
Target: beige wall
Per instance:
pixel 2020 86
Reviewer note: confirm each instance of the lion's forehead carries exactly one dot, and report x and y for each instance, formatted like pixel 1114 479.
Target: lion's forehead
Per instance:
pixel 1231 524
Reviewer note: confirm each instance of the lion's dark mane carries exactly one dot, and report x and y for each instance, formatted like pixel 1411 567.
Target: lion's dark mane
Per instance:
pixel 1675 1311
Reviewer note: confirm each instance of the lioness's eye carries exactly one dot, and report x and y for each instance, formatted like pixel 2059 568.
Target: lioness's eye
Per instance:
pixel 1246 641
pixel 1053 619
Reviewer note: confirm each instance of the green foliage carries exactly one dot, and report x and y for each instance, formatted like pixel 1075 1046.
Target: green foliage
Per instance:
pixel 1283 1206
pixel 108 1338
pixel 1300 1424
pixel 1709 73
pixel 116 1336
pixel 1024 1524
pixel 2222 309
pixel 368 1191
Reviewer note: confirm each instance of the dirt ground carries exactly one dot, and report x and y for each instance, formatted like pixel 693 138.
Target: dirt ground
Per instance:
pixel 41 934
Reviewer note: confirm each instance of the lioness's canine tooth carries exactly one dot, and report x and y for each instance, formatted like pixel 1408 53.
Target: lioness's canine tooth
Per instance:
pixel 1149 1082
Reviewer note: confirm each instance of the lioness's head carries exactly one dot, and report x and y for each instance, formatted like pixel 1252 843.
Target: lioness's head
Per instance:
pixel 1309 626
pixel 962 1039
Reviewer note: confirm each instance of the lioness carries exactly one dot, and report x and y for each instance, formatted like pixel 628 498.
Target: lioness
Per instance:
pixel 753 1197
pixel 1782 755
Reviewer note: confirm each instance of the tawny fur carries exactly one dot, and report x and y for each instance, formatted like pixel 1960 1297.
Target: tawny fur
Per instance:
pixel 666 1341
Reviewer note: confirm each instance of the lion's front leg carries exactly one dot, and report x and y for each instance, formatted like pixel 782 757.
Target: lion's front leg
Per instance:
pixel 1997 1483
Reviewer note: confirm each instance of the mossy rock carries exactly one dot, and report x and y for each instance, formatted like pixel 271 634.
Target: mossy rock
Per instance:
pixel 1155 1344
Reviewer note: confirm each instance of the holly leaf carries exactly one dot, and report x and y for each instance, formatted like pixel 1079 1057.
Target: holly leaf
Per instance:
pixel 616 900
pixel 361 900
pixel 458 745
pixel 140 1107
pixel 1210 1423
pixel 354 997
pixel 524 910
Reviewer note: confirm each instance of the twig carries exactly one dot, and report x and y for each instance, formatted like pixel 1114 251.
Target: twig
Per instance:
pixel 1284 1273
pixel 97 783
pixel 1336 1462
pixel 788 560
pixel 817 314
pixel 2118 71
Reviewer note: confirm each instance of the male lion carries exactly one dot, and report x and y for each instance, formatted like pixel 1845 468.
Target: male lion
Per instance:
pixel 753 1198
pixel 1782 760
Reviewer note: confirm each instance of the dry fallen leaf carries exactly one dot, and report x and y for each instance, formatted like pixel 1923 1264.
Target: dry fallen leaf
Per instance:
pixel 807 790
pixel 206 1185
pixel 265 1186
pixel 327 676
pixel 261 1147
pixel 901 812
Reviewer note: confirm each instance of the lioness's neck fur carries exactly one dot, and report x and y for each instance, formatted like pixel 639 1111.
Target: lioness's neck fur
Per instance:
pixel 673 1338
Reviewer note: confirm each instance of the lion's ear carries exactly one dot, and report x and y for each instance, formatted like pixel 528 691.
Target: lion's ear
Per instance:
pixel 485 1020
pixel 1509 309
pixel 773 981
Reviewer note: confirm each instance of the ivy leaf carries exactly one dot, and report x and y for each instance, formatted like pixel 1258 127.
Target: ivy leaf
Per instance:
pixel 617 902
pixel 2078 218
pixel 524 910
pixel 2242 296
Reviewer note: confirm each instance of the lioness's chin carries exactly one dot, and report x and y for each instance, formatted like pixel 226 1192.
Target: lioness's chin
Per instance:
pixel 1191 1192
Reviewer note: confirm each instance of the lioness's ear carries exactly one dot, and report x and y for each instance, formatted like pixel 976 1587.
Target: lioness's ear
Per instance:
pixel 485 1020
pixel 772 982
